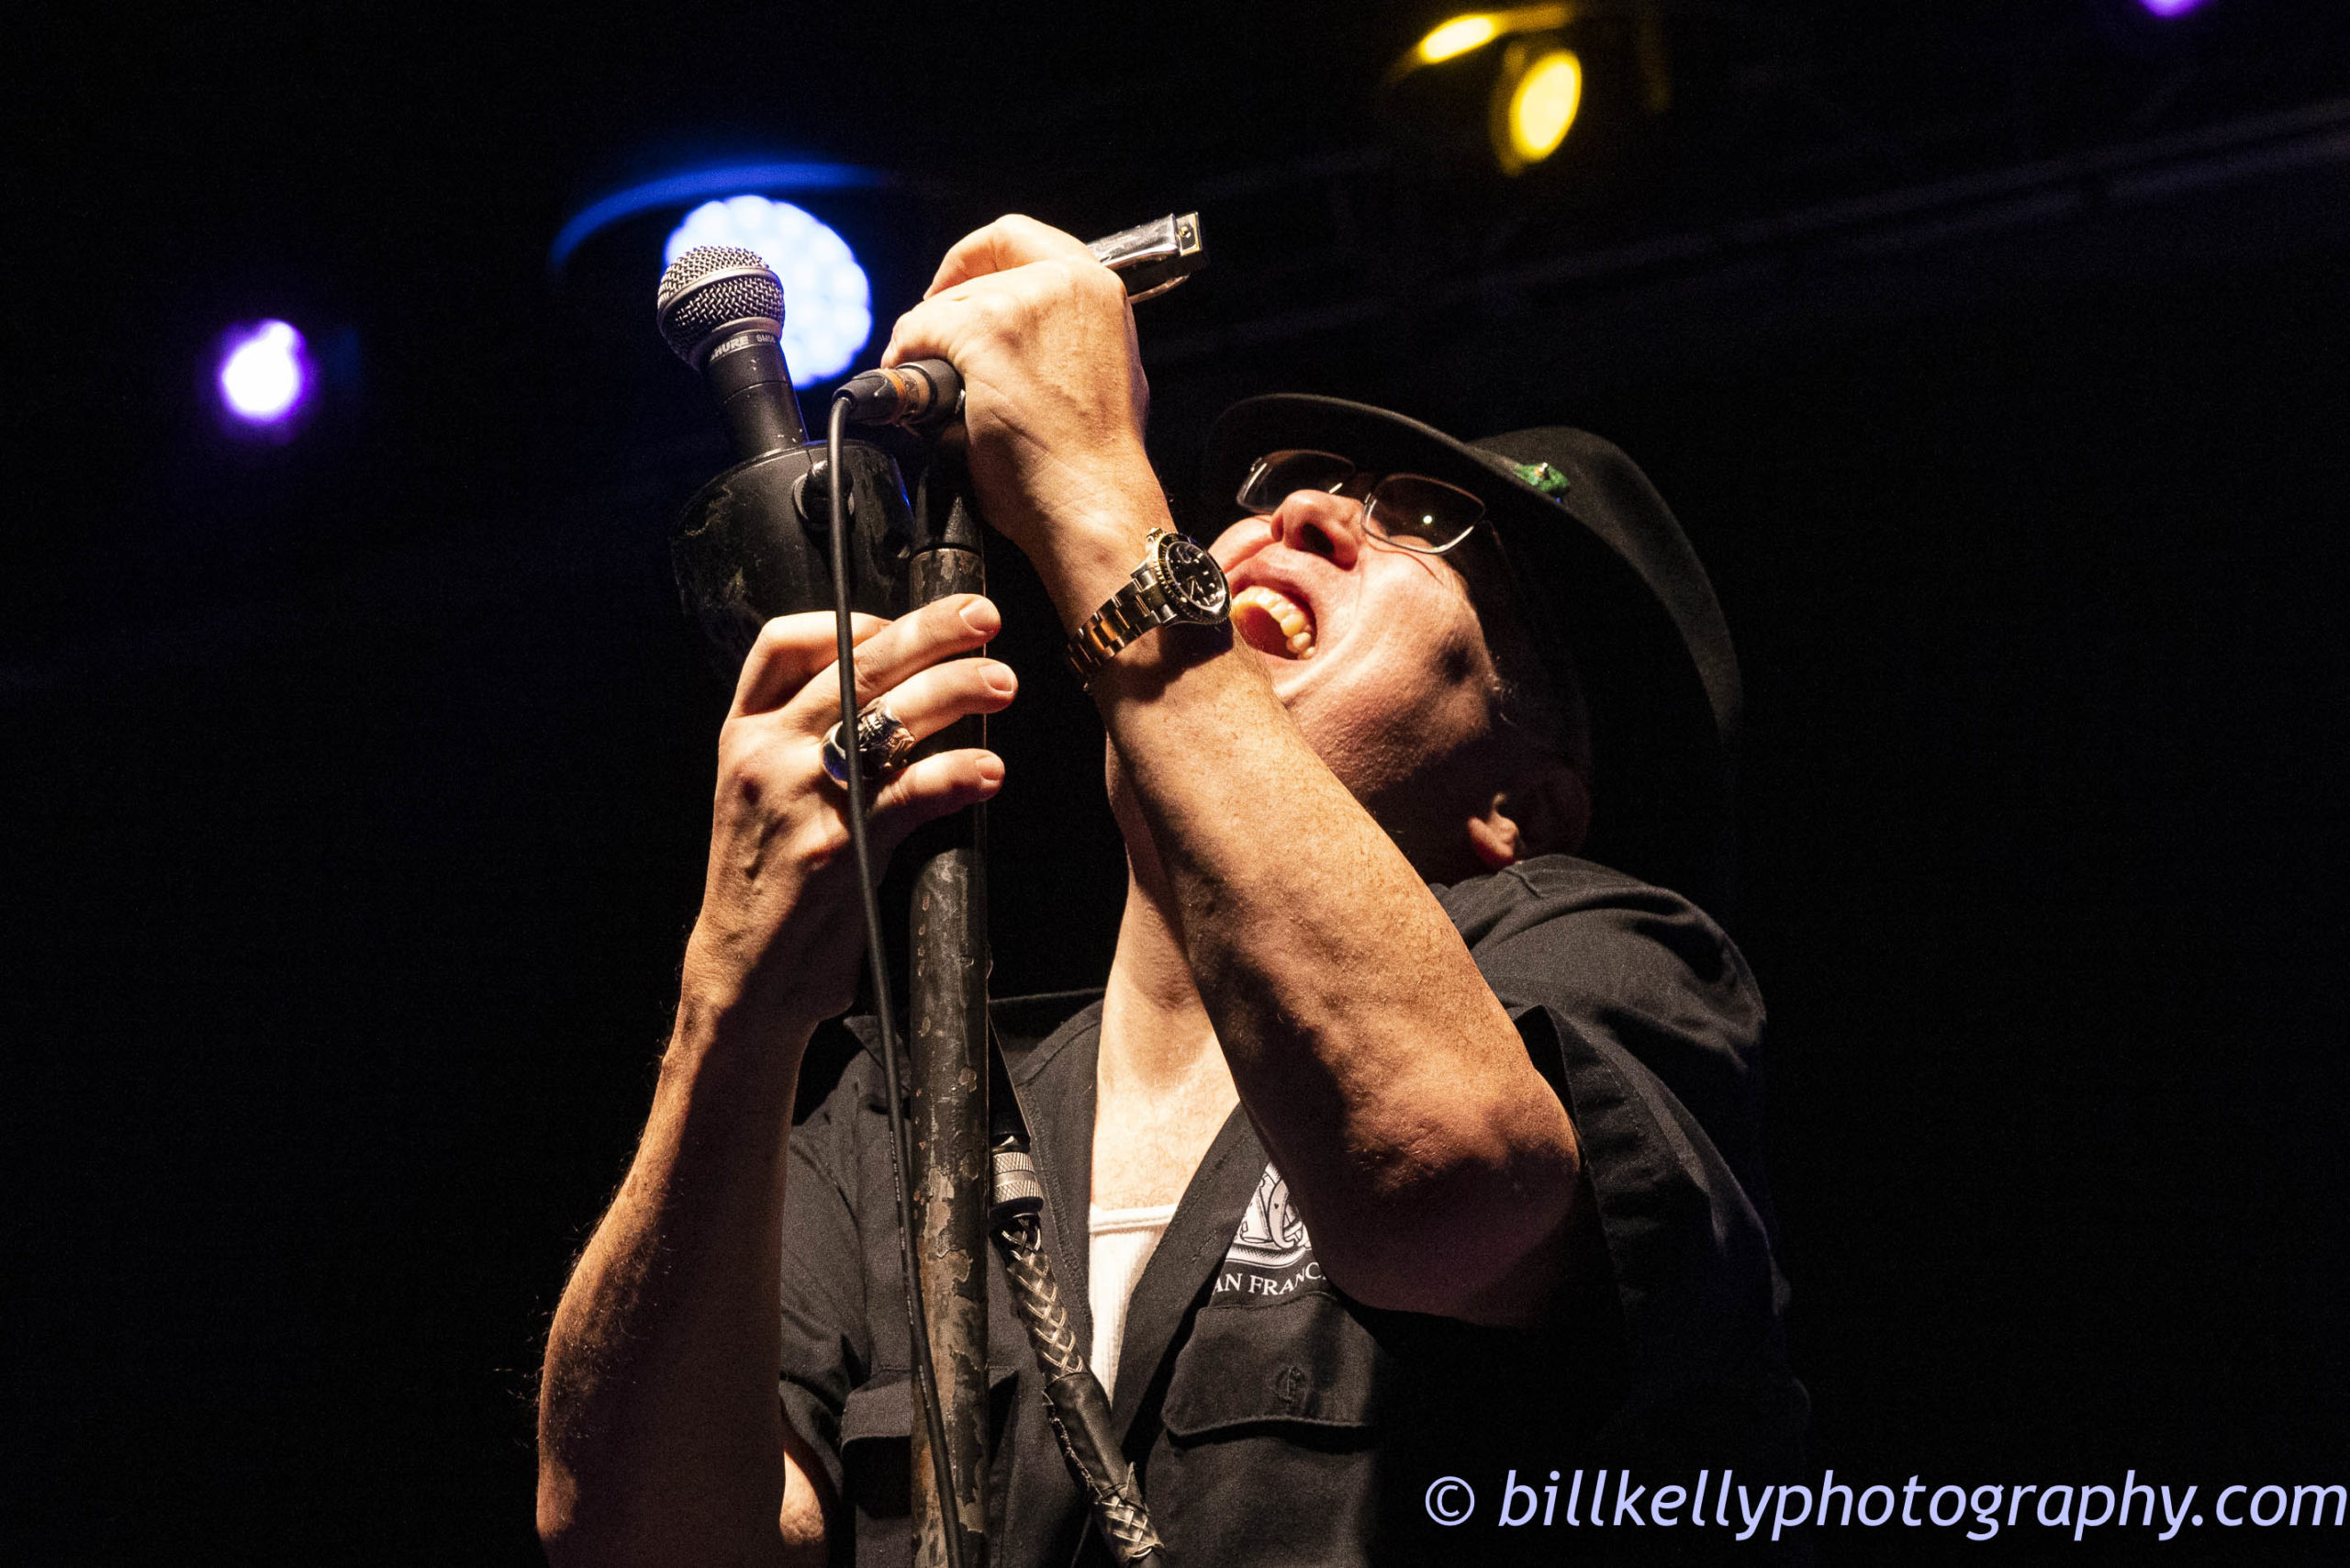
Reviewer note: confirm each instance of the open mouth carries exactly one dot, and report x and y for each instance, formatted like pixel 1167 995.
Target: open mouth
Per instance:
pixel 1273 622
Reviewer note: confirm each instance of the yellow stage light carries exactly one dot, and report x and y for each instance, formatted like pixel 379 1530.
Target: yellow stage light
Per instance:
pixel 1458 36
pixel 1541 108
pixel 1471 30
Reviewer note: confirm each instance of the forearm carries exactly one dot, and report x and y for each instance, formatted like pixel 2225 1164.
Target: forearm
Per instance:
pixel 660 1429
pixel 661 1434
pixel 1389 1084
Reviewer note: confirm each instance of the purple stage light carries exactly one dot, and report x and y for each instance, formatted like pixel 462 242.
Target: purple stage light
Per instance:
pixel 2170 8
pixel 265 374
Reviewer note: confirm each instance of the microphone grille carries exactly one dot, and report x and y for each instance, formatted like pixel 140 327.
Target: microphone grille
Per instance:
pixel 712 287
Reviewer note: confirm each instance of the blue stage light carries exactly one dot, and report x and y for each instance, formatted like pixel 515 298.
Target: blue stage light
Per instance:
pixel 675 190
pixel 2170 8
pixel 265 374
pixel 827 305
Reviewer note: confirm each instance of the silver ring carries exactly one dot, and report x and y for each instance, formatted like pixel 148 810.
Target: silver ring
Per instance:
pixel 883 742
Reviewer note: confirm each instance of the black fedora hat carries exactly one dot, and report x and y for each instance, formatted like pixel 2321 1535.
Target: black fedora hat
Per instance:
pixel 1610 591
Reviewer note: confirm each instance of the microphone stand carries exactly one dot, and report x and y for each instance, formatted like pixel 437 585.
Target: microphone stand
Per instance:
pixel 947 1011
pixel 947 1003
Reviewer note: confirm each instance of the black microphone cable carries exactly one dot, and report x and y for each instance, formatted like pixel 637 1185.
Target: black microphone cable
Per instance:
pixel 917 1320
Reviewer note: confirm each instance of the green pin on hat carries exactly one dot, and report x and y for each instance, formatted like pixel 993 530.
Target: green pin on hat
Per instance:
pixel 1543 478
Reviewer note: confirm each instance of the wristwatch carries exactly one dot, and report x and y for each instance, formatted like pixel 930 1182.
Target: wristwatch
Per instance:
pixel 1176 581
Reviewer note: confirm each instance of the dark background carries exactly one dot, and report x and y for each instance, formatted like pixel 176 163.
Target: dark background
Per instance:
pixel 356 787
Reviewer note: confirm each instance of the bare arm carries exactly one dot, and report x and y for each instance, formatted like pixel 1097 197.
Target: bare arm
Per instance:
pixel 661 1434
pixel 1433 1164
pixel 1436 1168
pixel 661 1437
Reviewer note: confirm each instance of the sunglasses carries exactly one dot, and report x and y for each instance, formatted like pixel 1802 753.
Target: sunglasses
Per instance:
pixel 1411 510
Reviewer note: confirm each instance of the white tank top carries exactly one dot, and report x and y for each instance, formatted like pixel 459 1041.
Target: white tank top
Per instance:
pixel 1122 1243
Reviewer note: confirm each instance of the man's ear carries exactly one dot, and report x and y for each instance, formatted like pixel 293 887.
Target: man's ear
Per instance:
pixel 1548 814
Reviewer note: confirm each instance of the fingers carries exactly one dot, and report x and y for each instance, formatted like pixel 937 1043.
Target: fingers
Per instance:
pixel 932 788
pixel 926 702
pixel 792 651
pixel 788 651
pixel 953 321
pixel 936 631
pixel 1011 241
pixel 948 324
pixel 932 698
pixel 936 786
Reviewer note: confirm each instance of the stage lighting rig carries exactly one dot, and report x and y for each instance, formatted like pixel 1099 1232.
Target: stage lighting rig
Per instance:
pixel 1534 104
pixel 1535 90
pixel 838 235
pixel 1461 35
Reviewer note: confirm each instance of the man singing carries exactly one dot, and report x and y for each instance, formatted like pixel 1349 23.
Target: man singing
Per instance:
pixel 1401 1144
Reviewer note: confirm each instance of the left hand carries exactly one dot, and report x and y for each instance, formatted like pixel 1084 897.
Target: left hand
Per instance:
pixel 780 927
pixel 1054 398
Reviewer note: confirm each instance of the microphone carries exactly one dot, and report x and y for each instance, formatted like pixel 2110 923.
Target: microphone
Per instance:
pixel 720 311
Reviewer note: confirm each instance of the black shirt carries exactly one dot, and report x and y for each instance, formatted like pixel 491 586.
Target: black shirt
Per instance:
pixel 1274 1419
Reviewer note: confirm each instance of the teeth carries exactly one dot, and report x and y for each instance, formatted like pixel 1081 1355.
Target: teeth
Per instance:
pixel 1297 627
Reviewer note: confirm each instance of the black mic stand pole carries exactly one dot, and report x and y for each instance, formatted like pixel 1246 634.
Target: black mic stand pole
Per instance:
pixel 948 1015
pixel 947 1002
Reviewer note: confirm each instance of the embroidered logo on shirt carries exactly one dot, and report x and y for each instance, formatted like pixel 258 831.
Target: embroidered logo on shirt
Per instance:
pixel 1271 1235
pixel 1270 1254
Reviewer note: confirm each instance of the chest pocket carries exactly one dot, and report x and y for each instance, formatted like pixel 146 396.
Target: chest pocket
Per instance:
pixel 1301 1365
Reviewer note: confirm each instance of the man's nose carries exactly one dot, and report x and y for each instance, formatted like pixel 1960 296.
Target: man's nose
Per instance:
pixel 1322 524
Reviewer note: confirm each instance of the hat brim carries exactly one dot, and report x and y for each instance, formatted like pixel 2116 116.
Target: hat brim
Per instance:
pixel 1610 592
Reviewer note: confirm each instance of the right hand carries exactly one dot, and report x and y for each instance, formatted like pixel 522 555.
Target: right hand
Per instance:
pixel 1054 399
pixel 781 924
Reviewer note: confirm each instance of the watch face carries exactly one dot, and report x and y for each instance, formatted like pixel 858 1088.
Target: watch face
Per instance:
pixel 1194 583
